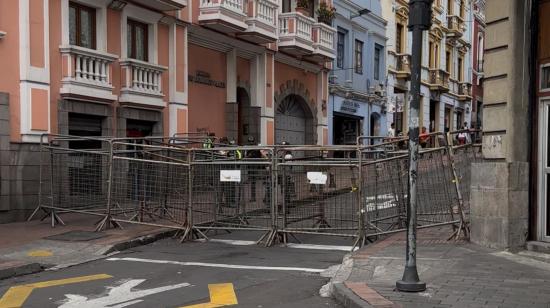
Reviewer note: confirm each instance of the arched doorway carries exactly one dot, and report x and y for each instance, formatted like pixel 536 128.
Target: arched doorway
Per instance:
pixel 248 118
pixel 294 121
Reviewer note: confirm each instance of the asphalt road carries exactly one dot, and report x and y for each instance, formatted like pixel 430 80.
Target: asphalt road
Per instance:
pixel 170 274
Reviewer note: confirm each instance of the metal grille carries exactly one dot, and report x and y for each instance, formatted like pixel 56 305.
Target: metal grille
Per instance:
pixel 352 191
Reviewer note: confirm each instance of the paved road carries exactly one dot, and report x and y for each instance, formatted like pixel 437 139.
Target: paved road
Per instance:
pixel 170 274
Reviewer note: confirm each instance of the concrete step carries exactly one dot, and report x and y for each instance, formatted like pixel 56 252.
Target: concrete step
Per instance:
pixel 536 246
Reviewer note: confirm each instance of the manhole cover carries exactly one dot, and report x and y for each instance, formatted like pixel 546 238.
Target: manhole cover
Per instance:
pixel 76 236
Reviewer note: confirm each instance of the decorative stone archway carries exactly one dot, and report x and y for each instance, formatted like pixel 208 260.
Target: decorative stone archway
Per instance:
pixel 295 89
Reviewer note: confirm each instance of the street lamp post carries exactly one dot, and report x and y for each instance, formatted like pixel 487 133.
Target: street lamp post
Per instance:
pixel 420 19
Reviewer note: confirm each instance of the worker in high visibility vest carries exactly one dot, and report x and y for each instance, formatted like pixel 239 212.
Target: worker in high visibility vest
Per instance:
pixel 209 141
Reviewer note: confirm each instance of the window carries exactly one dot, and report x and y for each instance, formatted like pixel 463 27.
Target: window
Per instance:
pixel 311 8
pixel 82 26
pixel 545 77
pixel 137 40
pixel 462 9
pixel 434 55
pixel 358 57
pixel 399 39
pixel 450 7
pixel 287 7
pixel 431 54
pixel 377 60
pixel 340 49
pixel 460 69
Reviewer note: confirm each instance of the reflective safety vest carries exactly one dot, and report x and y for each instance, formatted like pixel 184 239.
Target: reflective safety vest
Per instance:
pixel 207 144
pixel 238 154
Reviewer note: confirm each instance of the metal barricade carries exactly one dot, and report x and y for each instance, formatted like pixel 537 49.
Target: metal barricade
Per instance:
pixel 73 176
pixel 318 193
pixel 232 190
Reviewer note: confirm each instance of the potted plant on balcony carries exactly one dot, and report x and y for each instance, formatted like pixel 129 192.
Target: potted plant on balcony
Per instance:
pixel 302 7
pixel 325 13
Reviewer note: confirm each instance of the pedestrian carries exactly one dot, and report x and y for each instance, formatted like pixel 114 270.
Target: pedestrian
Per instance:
pixel 391 131
pixel 254 171
pixel 208 142
pixel 463 134
pixel 424 137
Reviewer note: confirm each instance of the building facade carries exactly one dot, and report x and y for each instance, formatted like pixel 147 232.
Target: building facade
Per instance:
pixel 509 196
pixel 132 68
pixel 478 40
pixel 357 102
pixel 446 58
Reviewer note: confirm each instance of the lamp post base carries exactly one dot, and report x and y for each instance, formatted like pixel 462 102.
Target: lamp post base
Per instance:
pixel 410 286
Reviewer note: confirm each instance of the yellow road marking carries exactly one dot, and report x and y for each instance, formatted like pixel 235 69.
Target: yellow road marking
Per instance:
pixel 40 253
pixel 221 294
pixel 16 296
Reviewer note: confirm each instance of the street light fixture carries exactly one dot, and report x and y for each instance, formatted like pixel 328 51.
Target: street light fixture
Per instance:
pixel 420 19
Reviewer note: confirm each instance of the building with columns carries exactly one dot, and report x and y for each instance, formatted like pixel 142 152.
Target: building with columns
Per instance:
pixel 446 61
pixel 509 200
pixel 357 102
pixel 156 67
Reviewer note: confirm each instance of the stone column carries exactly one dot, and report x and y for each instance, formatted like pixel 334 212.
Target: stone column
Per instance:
pixel 499 197
pixel 231 106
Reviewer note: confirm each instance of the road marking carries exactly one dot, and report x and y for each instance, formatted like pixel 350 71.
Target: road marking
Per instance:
pixel 221 294
pixel 290 245
pixel 16 296
pixel 40 253
pixel 320 247
pixel 118 296
pixel 219 265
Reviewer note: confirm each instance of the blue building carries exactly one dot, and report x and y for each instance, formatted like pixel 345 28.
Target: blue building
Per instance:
pixel 357 102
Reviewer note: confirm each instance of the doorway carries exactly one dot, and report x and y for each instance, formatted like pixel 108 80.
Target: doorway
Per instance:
pixel 434 116
pixel 346 129
pixel 294 121
pixel 448 119
pixel 544 172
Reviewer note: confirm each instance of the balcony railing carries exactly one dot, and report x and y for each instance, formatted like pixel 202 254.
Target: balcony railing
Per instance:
pixel 223 15
pixel 261 21
pixel 402 66
pixel 323 40
pixel 455 25
pixel 163 5
pixel 295 32
pixel 464 91
pixel 439 80
pixel 86 72
pixel 141 82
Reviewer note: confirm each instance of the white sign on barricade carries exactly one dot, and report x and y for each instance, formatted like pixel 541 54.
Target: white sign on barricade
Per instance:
pixel 318 178
pixel 230 176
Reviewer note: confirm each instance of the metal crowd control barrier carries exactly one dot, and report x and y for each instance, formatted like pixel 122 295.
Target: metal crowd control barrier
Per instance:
pixel 280 191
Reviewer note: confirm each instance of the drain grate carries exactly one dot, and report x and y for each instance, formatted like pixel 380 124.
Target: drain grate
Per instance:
pixel 76 236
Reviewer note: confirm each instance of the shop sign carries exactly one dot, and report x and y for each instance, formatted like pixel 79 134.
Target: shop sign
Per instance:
pixel 204 78
pixel 349 106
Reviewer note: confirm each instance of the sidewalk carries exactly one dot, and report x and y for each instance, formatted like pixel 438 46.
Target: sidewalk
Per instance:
pixel 458 274
pixel 28 247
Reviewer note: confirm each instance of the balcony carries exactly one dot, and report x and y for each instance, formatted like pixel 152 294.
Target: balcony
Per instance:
pixel 163 5
pixel 226 16
pixel 86 73
pixel 439 80
pixel 295 34
pixel 261 21
pixel 455 26
pixel 141 83
pixel 323 42
pixel 464 91
pixel 403 66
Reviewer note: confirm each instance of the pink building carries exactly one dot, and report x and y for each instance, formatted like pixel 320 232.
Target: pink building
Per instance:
pixel 238 68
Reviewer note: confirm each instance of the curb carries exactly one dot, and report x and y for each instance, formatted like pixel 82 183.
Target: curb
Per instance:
pixel 347 298
pixel 19 270
pixel 140 241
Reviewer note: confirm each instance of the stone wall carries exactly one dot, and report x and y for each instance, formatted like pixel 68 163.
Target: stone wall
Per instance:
pixel 499 213
pixel 19 172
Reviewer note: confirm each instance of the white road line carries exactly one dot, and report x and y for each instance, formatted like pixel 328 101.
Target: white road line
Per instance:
pixel 289 245
pixel 219 265
pixel 320 247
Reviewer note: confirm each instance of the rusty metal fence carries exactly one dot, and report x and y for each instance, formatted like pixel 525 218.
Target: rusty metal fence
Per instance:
pixel 281 192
